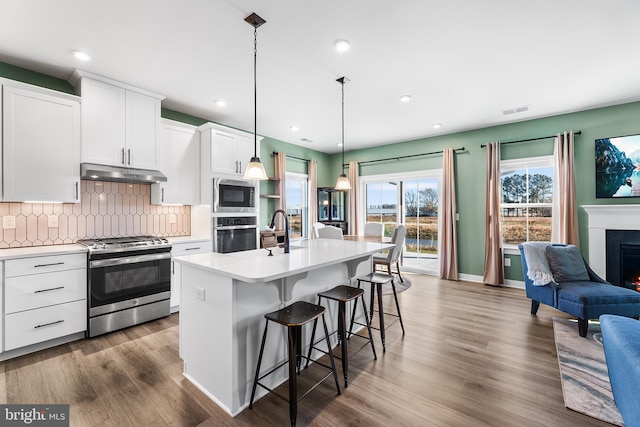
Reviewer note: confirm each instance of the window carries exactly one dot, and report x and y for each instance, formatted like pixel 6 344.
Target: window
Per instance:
pixel 297 199
pixel 527 188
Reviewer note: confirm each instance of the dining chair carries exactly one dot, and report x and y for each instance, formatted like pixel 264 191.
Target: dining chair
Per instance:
pixel 317 226
pixel 384 261
pixel 330 232
pixel 373 229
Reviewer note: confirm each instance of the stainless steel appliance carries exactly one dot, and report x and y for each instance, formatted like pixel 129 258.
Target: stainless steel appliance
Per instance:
pixel 93 171
pixel 129 281
pixel 235 233
pixel 234 196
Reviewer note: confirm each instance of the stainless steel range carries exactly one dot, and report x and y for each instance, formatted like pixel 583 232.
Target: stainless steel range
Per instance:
pixel 129 281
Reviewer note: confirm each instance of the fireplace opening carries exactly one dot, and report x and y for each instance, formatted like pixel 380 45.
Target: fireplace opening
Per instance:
pixel 623 258
pixel 630 266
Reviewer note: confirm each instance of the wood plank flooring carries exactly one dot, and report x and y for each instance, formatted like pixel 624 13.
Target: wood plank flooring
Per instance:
pixel 472 356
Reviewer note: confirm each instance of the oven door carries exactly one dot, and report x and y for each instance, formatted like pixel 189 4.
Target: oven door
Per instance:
pixel 235 238
pixel 233 196
pixel 141 276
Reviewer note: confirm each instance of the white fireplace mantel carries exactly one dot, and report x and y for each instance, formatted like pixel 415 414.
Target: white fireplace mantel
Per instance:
pixel 607 217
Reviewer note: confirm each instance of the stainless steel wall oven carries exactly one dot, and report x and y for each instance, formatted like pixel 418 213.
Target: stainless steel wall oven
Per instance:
pixel 129 282
pixel 235 233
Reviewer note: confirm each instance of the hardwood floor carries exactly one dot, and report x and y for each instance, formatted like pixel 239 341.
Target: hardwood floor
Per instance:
pixel 472 356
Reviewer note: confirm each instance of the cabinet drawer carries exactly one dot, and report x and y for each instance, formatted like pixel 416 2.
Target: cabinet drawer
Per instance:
pixel 43 324
pixel 190 248
pixel 40 290
pixel 44 264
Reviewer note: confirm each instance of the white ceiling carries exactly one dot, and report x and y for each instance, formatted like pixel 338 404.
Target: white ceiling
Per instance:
pixel 462 61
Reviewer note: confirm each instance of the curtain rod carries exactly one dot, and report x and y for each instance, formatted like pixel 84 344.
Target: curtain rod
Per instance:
pixel 531 139
pixel 404 157
pixel 289 155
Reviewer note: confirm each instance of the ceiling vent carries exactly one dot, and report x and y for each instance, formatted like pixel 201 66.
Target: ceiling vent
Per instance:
pixel 515 110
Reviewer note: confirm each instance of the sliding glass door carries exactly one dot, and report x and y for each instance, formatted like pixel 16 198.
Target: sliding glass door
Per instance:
pixel 413 200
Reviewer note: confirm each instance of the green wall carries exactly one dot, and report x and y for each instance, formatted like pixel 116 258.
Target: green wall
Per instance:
pixel 471 168
pixel 470 164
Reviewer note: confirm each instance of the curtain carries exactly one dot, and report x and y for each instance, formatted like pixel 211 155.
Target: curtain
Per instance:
pixel 353 198
pixel 313 196
pixel 280 168
pixel 565 208
pixel 449 248
pixel 493 265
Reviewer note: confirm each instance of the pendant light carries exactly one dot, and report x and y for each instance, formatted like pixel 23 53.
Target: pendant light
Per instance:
pixel 255 168
pixel 343 181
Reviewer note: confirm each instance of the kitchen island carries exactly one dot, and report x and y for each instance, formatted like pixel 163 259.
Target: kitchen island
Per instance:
pixel 224 300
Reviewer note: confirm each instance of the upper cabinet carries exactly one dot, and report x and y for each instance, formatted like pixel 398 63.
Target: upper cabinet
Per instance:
pixel 120 123
pixel 40 144
pixel 226 151
pixel 178 159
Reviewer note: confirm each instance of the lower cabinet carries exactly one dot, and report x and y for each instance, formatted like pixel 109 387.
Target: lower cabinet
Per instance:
pixel 180 249
pixel 45 297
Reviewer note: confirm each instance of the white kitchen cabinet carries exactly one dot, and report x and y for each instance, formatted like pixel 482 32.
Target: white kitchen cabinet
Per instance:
pixel 40 144
pixel 120 123
pixel 179 249
pixel 226 151
pixel 45 297
pixel 178 159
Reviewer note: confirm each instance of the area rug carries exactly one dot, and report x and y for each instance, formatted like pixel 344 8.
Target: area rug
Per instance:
pixel 401 286
pixel 583 369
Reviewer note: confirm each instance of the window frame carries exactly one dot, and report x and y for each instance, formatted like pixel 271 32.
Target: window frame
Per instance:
pixel 526 163
pixel 295 176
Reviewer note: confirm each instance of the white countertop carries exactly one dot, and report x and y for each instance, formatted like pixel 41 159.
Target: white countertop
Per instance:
pixel 256 266
pixel 33 251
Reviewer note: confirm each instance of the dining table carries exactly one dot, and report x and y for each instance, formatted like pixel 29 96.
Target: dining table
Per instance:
pixel 363 238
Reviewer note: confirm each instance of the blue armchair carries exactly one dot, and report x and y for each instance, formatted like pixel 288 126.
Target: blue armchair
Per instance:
pixel 572 286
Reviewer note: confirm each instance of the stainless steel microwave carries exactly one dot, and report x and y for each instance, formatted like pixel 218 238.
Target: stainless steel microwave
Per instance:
pixel 233 196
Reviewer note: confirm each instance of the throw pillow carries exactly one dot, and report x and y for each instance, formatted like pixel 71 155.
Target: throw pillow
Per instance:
pixel 566 264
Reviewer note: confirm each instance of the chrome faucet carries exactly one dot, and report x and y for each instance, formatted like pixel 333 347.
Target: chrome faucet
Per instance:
pixel 286 228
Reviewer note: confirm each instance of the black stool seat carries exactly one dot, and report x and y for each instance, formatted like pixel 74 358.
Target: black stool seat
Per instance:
pixel 293 317
pixel 343 294
pixel 296 314
pixel 377 279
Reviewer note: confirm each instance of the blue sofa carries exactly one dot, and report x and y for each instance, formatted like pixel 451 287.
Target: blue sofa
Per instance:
pixel 621 339
pixel 587 298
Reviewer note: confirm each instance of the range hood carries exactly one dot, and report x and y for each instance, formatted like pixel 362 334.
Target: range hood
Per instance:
pixel 96 172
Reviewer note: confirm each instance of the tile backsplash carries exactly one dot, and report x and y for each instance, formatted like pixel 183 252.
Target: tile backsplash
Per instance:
pixel 107 209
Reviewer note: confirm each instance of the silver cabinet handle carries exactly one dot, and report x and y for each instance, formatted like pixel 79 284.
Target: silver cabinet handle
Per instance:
pixel 240 166
pixel 47 290
pixel 129 156
pixel 48 324
pixel 192 249
pixel 77 192
pixel 123 155
pixel 48 265
pixel 162 197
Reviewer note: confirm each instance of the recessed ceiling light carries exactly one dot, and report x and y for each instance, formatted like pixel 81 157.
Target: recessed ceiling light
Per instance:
pixel 82 56
pixel 437 126
pixel 221 103
pixel 294 128
pixel 341 45
pixel 339 144
pixel 405 98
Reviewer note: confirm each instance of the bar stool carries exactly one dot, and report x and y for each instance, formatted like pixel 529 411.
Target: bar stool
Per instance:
pixel 377 280
pixel 343 294
pixel 293 316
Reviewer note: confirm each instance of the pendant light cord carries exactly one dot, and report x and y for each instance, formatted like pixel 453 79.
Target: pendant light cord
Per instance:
pixel 343 127
pixel 255 93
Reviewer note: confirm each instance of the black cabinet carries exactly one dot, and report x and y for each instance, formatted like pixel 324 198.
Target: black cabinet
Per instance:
pixel 332 209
